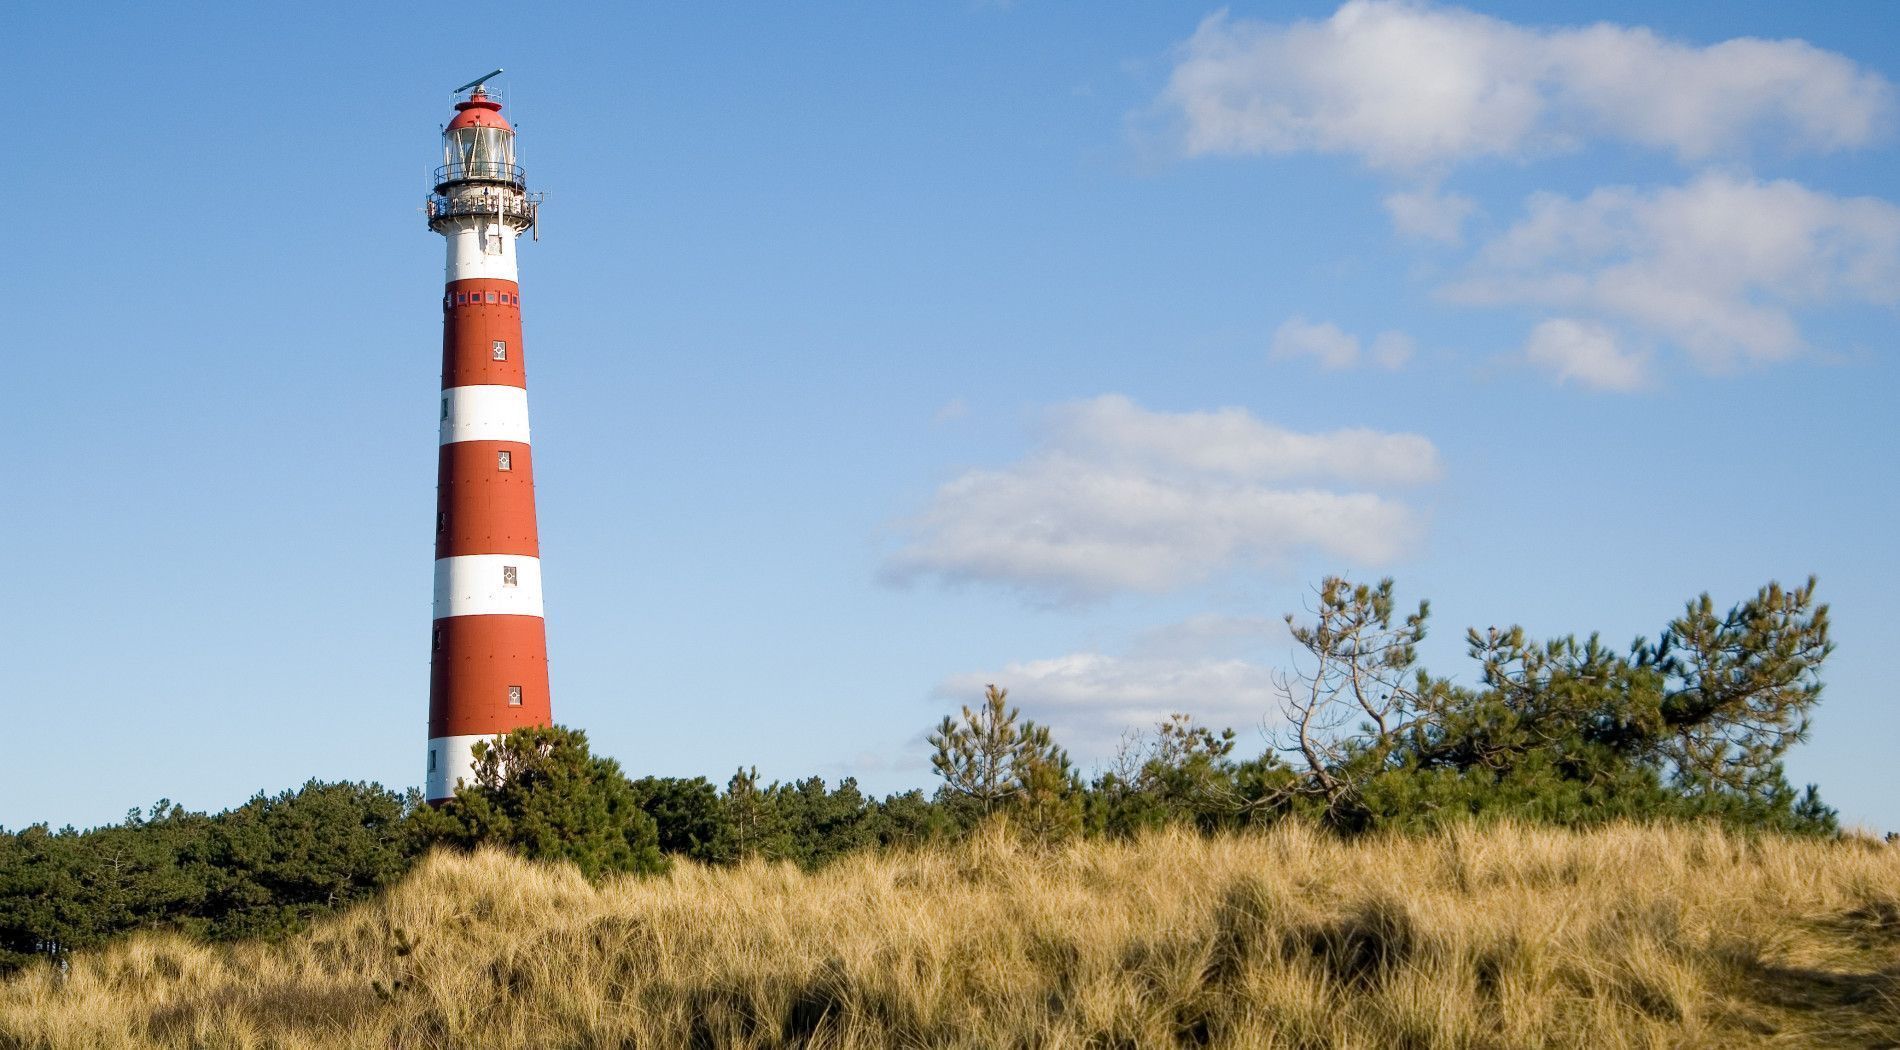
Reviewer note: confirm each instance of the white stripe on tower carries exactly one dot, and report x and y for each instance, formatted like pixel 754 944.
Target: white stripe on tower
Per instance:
pixel 451 761
pixel 488 585
pixel 484 413
pixel 470 258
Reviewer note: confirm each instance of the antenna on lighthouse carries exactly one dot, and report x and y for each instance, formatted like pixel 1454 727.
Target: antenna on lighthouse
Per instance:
pixel 477 82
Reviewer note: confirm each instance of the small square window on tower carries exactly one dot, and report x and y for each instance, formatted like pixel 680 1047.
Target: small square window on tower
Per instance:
pixel 514 696
pixel 435 641
pixel 491 297
pixel 504 460
pixel 509 577
pixel 445 408
pixel 432 760
pixel 501 350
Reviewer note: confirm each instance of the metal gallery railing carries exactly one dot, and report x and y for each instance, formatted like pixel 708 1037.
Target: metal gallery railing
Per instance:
pixel 516 209
pixel 481 171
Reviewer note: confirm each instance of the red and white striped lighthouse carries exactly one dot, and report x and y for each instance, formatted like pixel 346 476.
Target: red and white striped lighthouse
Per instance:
pixel 489 659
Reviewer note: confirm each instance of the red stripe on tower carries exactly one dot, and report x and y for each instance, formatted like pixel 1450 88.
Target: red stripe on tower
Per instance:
pixel 489 658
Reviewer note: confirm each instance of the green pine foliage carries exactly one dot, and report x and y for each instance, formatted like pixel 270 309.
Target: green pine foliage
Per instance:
pixel 688 816
pixel 1560 731
pixel 1181 773
pixel 540 792
pixel 286 858
pixel 267 867
pixel 996 766
pixel 755 825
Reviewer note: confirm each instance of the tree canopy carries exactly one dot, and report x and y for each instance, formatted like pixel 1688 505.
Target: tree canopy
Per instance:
pixel 540 792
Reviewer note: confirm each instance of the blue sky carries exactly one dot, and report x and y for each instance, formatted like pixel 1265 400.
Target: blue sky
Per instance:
pixel 881 351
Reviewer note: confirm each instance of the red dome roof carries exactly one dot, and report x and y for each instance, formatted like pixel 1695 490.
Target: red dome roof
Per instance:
pixel 479 111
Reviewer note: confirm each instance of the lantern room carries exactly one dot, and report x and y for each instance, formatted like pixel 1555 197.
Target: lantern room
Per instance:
pixel 478 145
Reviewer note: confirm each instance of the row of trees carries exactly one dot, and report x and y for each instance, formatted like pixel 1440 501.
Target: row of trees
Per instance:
pixel 1569 731
pixel 272 865
pixel 542 793
pixel 1692 725
pixel 265 867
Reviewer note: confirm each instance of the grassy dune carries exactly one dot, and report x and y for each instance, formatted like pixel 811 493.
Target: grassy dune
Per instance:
pixel 1506 937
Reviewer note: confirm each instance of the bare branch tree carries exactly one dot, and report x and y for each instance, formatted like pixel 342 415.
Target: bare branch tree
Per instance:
pixel 1352 694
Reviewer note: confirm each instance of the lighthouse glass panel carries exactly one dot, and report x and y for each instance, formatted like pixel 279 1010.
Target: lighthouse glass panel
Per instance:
pixel 479 153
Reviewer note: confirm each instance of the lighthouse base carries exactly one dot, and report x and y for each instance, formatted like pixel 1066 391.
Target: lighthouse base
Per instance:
pixel 451 764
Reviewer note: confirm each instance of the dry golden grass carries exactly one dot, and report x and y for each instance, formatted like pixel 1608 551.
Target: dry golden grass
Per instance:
pixel 1505 937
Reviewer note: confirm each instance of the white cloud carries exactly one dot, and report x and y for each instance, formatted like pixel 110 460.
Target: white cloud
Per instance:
pixel 1333 349
pixel 1090 699
pixel 1119 498
pixel 1323 342
pixel 1113 430
pixel 950 411
pixel 1585 353
pixel 1208 636
pixel 1410 85
pixel 1392 349
pixel 1428 215
pixel 1717 267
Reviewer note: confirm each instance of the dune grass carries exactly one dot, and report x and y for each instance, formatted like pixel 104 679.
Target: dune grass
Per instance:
pixel 1498 937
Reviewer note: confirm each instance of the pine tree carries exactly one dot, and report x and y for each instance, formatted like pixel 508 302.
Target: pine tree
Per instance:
pixel 1005 768
pixel 539 792
pixel 1564 730
pixel 755 827
pixel 1742 686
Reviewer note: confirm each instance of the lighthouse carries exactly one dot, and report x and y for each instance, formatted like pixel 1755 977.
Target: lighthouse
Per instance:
pixel 488 645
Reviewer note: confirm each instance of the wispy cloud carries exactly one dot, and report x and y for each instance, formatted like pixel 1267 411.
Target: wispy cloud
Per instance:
pixel 1323 343
pixel 950 411
pixel 1120 498
pixel 1429 215
pixel 1585 353
pixel 1208 667
pixel 1719 266
pixel 1334 349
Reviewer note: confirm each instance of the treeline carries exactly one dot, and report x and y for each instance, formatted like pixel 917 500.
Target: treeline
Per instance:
pixel 264 868
pixel 1692 725
pixel 1568 731
pixel 270 866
